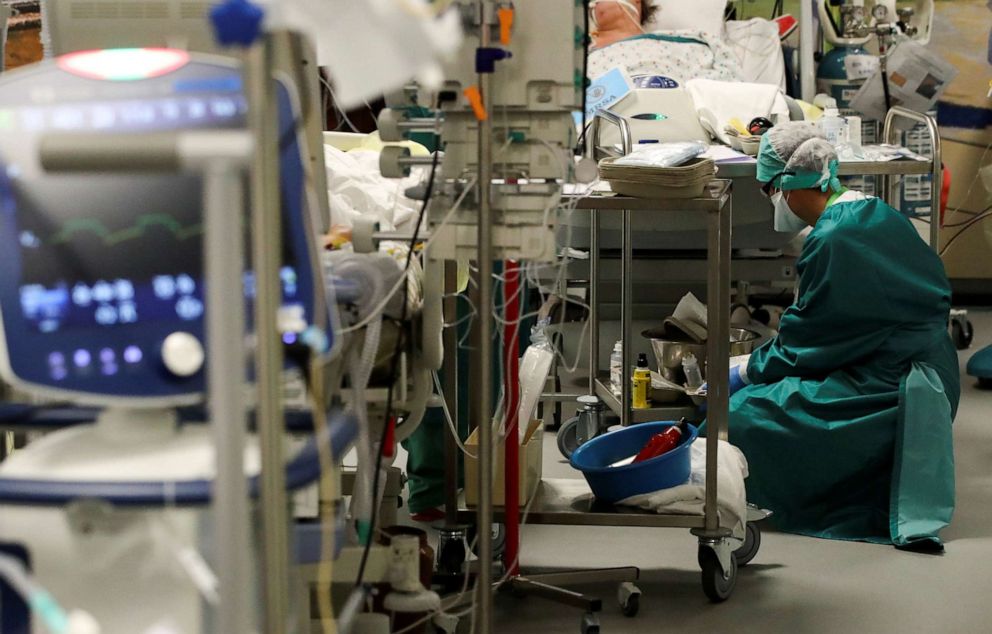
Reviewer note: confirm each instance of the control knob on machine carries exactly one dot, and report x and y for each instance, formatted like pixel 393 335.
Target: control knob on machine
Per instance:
pixel 182 354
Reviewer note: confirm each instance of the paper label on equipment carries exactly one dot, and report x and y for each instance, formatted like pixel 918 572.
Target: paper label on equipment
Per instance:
pixel 860 67
pixel 606 90
pixel 917 79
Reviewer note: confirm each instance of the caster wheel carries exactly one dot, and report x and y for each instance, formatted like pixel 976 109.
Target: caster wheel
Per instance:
pixel 567 438
pixel 717 587
pixel 751 545
pixel 499 540
pixel 451 559
pixel 963 334
pixel 629 598
pixel 590 623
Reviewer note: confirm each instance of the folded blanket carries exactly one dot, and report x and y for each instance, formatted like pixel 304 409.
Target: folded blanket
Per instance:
pixel 689 498
pixel 717 102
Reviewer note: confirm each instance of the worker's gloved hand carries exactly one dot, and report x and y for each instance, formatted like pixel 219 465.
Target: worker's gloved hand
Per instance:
pixel 738 378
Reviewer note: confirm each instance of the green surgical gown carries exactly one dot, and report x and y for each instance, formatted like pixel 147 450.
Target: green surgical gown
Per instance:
pixel 847 424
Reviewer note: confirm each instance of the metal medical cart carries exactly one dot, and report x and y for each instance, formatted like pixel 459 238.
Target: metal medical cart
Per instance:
pixel 716 204
pixel 570 502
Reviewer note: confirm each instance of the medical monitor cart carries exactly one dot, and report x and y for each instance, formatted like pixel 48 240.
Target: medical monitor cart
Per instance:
pixel 103 299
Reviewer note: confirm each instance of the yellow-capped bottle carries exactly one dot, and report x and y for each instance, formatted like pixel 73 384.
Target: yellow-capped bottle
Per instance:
pixel 641 383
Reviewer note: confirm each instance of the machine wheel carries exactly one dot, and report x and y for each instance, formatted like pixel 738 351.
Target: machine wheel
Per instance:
pixel 717 588
pixel 752 543
pixel 963 333
pixel 452 557
pixel 499 540
pixel 590 623
pixel 629 598
pixel 567 438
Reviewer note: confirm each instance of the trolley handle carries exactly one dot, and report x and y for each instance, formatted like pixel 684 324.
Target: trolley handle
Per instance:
pixel 611 117
pixel 936 166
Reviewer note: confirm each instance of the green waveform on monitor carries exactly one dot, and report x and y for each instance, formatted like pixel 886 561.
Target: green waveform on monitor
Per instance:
pixel 114 238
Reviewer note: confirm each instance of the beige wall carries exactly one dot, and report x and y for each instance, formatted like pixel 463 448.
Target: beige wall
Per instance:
pixel 961 33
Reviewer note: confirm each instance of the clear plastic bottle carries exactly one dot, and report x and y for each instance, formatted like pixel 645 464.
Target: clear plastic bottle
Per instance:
pixel 693 375
pixel 617 375
pixel 834 127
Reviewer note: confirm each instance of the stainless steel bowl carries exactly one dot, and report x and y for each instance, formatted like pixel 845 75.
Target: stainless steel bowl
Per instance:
pixel 668 354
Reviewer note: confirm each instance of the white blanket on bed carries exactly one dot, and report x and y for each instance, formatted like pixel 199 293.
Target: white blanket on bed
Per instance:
pixel 680 55
pixel 357 189
pixel 689 498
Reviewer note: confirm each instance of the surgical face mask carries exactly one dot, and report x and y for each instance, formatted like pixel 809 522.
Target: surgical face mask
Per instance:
pixel 628 7
pixel 786 220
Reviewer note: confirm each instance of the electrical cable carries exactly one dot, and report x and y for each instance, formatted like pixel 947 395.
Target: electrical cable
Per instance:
pixel 447 416
pixel 585 77
pixel 394 369
pixel 964 229
pixel 374 312
pixel 337 110
pixel 975 215
pixel 885 89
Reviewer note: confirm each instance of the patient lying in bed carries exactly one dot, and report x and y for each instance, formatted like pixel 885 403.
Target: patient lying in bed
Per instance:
pixel 619 40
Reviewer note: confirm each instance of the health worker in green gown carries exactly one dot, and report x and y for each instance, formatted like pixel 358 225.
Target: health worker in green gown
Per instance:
pixel 845 416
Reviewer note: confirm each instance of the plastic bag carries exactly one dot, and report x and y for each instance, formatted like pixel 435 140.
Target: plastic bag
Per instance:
pixel 534 368
pixel 662 154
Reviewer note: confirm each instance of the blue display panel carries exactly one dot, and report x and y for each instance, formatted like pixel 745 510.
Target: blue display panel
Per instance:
pixel 101 268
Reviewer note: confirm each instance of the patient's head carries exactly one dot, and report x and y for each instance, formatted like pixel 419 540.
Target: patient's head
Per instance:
pixel 621 14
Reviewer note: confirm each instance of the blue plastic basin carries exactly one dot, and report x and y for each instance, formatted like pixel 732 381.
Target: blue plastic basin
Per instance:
pixel 612 484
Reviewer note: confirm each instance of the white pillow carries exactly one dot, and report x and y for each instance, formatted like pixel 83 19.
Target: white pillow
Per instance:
pixel 694 15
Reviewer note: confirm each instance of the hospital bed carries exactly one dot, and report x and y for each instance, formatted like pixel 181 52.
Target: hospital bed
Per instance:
pixel 757 47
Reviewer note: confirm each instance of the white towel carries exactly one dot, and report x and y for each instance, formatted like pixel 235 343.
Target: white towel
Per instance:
pixel 717 102
pixel 689 498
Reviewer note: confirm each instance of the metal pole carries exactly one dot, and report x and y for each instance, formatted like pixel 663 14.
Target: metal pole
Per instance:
pixel 626 301
pixel 485 257
pixel 718 349
pixel 936 182
pixel 593 300
pixel 807 44
pixel 223 204
pixel 266 214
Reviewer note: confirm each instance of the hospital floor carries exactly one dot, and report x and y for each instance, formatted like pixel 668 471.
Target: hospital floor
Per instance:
pixel 795 584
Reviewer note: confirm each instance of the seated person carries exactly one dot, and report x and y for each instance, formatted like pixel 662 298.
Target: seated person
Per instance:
pixel 619 40
pixel 845 417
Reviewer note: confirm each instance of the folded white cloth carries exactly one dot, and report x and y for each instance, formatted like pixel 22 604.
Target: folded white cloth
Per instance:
pixel 691 310
pixel 717 102
pixel 690 498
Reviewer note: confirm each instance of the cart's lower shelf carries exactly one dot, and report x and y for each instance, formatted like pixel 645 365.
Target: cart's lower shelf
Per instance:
pixel 675 411
pixel 568 502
